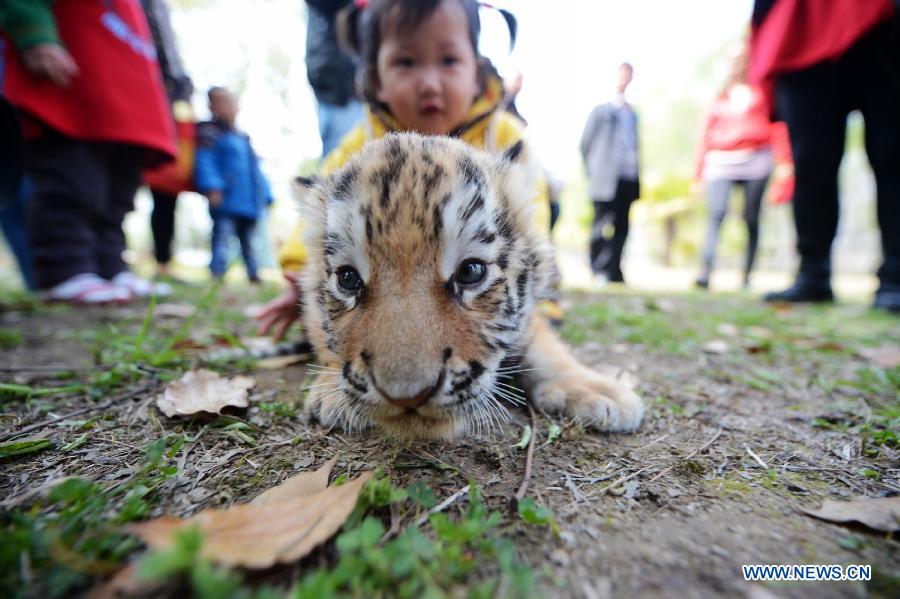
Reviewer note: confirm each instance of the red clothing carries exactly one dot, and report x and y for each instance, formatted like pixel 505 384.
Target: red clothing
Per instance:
pixel 797 34
pixel 118 96
pixel 730 126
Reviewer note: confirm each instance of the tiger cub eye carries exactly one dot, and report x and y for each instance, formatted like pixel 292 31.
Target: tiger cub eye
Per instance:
pixel 471 272
pixel 349 279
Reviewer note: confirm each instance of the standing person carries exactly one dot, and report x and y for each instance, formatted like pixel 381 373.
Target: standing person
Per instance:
pixel 609 146
pixel 179 89
pixel 739 146
pixel 84 77
pixel 823 60
pixel 228 173
pixel 331 73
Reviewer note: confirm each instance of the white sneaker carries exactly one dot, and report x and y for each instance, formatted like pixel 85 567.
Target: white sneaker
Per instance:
pixel 141 287
pixel 88 289
pixel 600 281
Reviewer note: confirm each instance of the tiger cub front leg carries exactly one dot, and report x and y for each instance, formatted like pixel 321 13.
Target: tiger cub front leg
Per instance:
pixel 560 383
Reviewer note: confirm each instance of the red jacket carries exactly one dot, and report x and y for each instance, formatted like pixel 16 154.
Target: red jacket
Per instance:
pixel 727 128
pixel 796 34
pixel 118 95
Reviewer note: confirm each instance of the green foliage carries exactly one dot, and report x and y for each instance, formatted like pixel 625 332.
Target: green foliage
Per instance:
pixel 415 564
pixel 15 448
pixel 76 534
pixel 281 410
pixel 10 338
pixel 533 513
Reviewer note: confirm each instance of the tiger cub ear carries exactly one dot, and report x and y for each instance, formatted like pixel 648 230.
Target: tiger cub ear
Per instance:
pixel 307 192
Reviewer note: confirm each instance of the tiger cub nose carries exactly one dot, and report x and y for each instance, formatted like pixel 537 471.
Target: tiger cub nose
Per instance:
pixel 410 402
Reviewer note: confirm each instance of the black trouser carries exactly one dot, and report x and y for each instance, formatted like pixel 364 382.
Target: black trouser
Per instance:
pixel 162 225
pixel 610 229
pixel 815 102
pixel 81 193
pixel 718 193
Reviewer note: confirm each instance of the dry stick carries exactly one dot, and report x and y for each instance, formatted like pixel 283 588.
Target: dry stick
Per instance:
pixel 529 457
pixel 98 406
pixel 690 455
pixel 615 483
pixel 756 457
pixel 442 505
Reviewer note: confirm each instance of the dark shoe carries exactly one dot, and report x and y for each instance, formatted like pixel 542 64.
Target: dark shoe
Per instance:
pixel 255 280
pixel 805 289
pixel 888 298
pixel 702 283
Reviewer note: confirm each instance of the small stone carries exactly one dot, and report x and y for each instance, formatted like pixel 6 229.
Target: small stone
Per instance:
pixel 559 557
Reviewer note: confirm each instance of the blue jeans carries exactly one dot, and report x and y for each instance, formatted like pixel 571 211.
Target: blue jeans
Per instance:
pixel 336 121
pixel 226 227
pixel 12 223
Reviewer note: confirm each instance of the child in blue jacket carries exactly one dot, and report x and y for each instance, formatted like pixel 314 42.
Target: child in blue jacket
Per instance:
pixel 227 172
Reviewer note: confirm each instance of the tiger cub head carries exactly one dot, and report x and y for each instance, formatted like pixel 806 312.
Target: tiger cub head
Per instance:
pixel 424 266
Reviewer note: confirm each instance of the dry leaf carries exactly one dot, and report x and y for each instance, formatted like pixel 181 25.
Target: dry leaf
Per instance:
pixel 716 346
pixel 204 391
pixel 887 355
pixel 880 514
pixel 259 535
pixel 728 329
pixel 306 483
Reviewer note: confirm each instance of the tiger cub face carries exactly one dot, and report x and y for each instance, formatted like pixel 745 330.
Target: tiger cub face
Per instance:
pixel 422 275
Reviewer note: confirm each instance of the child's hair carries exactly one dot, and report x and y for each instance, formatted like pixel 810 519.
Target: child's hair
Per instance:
pixel 362 33
pixel 215 90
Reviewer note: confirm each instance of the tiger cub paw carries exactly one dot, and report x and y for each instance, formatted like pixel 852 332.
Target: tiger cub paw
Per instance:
pixel 593 399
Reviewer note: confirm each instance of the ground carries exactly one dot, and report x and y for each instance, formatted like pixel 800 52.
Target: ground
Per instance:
pixel 754 415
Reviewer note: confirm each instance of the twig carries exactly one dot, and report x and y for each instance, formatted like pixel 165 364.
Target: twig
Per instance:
pixel 756 457
pixel 99 406
pixel 53 369
pixel 690 455
pixel 442 505
pixel 615 483
pixel 529 458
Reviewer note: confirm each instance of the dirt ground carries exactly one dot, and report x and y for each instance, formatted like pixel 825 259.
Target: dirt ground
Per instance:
pixel 753 416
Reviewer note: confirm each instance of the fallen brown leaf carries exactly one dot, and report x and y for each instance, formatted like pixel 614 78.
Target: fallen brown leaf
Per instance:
pixel 302 485
pixel 204 391
pixel 886 356
pixel 716 346
pixel 880 514
pixel 279 529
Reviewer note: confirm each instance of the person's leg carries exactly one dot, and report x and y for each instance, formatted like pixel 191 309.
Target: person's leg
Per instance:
pixel 67 178
pixel 814 105
pixel 876 70
pixel 12 222
pixel 222 232
pixel 123 165
pixel 604 215
pixel 162 225
pixel 626 193
pixel 718 192
pixel 244 228
pixel 753 195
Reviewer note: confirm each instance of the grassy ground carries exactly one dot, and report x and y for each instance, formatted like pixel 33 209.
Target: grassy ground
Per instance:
pixel 754 415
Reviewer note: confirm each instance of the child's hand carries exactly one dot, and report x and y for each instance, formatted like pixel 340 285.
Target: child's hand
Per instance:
pixel 215 198
pixel 50 61
pixel 283 311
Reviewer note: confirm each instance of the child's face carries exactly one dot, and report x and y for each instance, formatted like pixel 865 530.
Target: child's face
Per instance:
pixel 429 78
pixel 223 105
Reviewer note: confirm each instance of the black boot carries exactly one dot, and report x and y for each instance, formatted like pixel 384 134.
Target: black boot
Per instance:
pixel 888 298
pixel 813 284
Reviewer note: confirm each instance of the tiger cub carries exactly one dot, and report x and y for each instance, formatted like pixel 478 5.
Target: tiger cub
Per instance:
pixel 419 296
